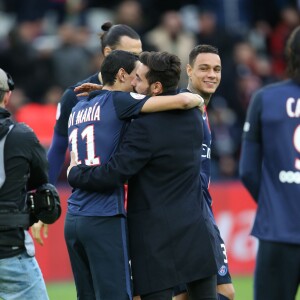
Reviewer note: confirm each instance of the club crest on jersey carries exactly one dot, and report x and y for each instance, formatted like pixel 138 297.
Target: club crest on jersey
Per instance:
pixel 222 271
pixel 137 96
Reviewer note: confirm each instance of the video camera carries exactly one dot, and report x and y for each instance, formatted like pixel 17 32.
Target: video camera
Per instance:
pixel 44 204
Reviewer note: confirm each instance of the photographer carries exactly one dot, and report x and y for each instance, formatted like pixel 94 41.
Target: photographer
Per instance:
pixel 23 168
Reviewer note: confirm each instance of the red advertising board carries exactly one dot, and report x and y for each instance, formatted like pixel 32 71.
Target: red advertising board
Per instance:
pixel 234 211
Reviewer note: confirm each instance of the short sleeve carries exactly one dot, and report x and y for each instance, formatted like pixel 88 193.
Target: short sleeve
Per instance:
pixel 128 105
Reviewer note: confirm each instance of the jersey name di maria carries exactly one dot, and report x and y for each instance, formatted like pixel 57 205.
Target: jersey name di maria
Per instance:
pixel 67 102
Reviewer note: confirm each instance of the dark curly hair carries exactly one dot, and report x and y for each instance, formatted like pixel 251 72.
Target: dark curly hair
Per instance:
pixel 116 60
pixel 163 67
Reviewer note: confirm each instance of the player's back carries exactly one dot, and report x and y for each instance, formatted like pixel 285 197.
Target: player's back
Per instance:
pixel 94 131
pixel 280 185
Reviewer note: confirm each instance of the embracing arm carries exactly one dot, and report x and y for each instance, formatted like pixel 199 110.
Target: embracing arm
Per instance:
pixel 169 102
pixel 93 178
pixel 134 152
pixel 155 103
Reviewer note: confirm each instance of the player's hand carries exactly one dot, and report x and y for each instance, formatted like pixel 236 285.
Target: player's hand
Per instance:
pixel 73 162
pixel 87 88
pixel 36 229
pixel 193 100
pixel 201 105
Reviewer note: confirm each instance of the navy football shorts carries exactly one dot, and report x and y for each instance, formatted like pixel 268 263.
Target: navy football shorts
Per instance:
pixel 223 275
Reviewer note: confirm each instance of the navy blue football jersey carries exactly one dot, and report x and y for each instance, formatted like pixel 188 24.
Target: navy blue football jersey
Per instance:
pixel 205 157
pixel 273 125
pixel 95 127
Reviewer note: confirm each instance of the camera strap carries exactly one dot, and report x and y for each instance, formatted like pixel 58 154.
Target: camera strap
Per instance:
pixel 2 168
pixel 14 220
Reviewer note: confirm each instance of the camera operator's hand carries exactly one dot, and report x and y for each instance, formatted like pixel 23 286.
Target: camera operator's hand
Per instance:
pixel 36 229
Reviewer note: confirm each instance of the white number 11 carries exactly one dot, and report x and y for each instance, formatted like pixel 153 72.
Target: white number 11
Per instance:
pixel 88 135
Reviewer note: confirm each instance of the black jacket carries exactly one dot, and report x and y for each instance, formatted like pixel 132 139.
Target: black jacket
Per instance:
pixel 25 168
pixel 161 156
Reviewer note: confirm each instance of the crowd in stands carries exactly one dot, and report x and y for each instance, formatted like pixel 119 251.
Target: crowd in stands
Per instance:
pixel 49 45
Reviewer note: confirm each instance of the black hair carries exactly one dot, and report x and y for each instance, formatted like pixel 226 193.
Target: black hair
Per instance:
pixel 114 61
pixel 293 55
pixel 112 34
pixel 163 67
pixel 201 49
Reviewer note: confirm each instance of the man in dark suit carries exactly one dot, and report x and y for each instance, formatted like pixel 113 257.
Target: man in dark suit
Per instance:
pixel 160 156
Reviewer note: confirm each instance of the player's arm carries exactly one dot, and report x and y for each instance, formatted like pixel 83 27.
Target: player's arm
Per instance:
pixel 59 144
pixel 130 105
pixel 134 152
pixel 250 166
pixel 168 102
pixel 155 103
pixel 56 156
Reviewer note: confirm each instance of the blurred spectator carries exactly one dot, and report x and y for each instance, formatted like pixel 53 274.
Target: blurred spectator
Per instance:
pixel 247 83
pixel 155 9
pixel 269 10
pixel 226 132
pixel 170 36
pixel 234 15
pixel 71 60
pixel 76 11
pixel 190 15
pixel 31 72
pixel 258 36
pixel 243 78
pixel 289 19
pixel 130 12
pixel 211 33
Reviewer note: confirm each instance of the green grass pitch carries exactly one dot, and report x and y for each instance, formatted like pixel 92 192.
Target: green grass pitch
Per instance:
pixel 66 290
